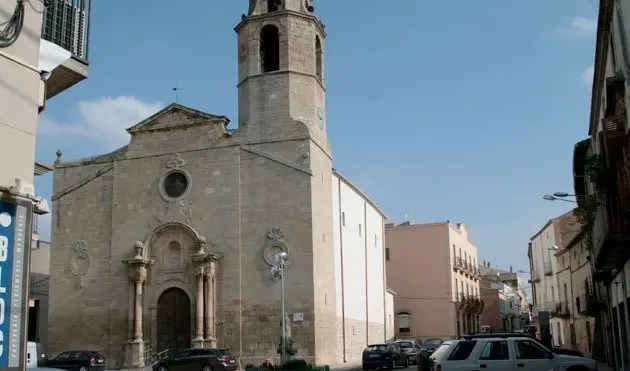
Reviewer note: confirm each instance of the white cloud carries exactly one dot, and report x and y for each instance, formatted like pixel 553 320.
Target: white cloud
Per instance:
pixel 103 120
pixel 583 27
pixel 587 75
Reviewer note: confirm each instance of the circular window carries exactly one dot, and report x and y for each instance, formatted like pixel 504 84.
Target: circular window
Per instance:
pixel 175 184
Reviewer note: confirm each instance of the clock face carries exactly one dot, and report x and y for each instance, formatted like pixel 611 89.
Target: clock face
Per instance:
pixel 320 118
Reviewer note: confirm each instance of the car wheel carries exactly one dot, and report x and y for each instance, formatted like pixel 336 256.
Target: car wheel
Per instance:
pixel 406 362
pixel 206 368
pixel 83 368
pixel 162 368
pixel 393 365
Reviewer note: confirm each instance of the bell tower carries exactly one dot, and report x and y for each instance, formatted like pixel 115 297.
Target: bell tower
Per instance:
pixel 281 69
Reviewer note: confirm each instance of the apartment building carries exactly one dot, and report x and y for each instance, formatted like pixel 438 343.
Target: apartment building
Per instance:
pixel 601 170
pixel 505 302
pixel 31 71
pixel 542 248
pixel 578 305
pixel 433 269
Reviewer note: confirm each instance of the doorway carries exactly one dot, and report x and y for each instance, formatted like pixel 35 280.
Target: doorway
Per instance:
pixel 173 320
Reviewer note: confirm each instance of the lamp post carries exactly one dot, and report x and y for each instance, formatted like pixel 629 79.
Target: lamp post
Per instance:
pixel 277 272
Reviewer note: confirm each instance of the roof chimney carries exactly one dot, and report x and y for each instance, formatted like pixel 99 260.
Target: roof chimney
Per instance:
pixel 510 269
pixel 488 264
pixel 484 263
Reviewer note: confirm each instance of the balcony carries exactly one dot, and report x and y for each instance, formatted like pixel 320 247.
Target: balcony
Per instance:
pixel 587 304
pixel 535 275
pixel 560 309
pixel 611 224
pixel 457 263
pixel 65 44
pixel 548 268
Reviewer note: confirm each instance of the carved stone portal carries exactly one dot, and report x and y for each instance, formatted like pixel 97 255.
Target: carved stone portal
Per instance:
pixel 79 262
pixel 273 245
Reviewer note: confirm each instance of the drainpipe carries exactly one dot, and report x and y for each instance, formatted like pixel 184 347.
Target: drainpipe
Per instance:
pixel 367 307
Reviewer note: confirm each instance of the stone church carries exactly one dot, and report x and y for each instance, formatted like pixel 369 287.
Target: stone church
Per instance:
pixel 168 242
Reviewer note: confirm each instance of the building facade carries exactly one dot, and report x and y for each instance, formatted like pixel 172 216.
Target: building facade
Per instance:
pixel 168 242
pixel 30 69
pixel 546 296
pixel 505 303
pixel 601 170
pixel 433 269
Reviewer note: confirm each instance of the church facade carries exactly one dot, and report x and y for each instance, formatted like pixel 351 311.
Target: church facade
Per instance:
pixel 168 242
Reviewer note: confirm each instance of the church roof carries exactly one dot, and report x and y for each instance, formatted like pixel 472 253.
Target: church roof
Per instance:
pixel 148 123
pixel 357 190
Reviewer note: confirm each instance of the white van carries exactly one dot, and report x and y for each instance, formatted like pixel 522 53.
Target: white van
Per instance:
pixel 34 354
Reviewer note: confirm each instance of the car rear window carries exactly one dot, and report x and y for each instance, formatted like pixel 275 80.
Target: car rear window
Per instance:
pixel 462 350
pixel 433 342
pixel 406 344
pixel 376 348
pixel 440 351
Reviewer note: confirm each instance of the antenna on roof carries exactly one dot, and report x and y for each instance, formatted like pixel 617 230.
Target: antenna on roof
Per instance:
pixel 177 90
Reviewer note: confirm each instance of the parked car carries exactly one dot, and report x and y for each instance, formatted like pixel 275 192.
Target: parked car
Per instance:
pixel 198 360
pixel 556 350
pixel 78 360
pixel 505 354
pixel 383 355
pixel 430 345
pixel 411 348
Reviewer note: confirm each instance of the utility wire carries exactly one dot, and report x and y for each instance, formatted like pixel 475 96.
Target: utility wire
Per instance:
pixel 13 27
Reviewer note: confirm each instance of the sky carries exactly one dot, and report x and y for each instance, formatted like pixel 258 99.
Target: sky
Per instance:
pixel 438 110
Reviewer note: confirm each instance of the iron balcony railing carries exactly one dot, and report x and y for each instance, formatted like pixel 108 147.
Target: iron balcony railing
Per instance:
pixel 67 24
pixel 536 275
pixel 548 268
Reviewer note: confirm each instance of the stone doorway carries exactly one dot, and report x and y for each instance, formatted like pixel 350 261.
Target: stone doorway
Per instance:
pixel 173 320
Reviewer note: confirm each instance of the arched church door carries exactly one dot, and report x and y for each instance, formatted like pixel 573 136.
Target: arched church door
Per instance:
pixel 173 320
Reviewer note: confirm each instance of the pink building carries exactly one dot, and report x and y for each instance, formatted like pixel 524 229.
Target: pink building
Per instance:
pixel 433 269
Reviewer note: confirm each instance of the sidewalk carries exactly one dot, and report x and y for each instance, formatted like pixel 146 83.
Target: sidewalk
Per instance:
pixel 346 366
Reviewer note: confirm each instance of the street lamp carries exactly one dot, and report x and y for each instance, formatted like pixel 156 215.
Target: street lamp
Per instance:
pixel 277 273
pixel 556 196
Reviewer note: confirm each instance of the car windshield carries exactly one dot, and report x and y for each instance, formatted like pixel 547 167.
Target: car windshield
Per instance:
pixel 432 343
pixel 406 344
pixel 376 348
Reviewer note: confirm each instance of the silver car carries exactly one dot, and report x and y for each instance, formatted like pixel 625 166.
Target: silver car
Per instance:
pixel 411 349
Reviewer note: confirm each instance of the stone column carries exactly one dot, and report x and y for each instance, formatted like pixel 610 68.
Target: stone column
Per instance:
pixel 210 341
pixel 198 341
pixel 137 331
pixel 134 353
pixel 130 308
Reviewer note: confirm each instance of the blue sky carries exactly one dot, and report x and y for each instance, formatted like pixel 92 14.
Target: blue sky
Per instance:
pixel 460 110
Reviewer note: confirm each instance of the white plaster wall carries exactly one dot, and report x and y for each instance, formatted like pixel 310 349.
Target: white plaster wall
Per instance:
pixel 375 265
pixel 359 241
pixel 390 315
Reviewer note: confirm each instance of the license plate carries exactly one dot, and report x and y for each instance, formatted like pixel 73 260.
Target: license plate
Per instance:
pixel 374 356
pixel 232 361
pixel 100 361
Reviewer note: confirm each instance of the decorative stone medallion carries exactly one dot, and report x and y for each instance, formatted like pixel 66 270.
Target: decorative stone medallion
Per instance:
pixel 79 262
pixel 175 183
pixel 175 213
pixel 274 244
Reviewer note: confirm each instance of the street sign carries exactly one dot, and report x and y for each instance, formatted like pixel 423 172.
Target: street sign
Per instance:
pixel 15 234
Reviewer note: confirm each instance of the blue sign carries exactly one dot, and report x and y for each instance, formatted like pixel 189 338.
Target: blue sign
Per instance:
pixel 7 241
pixel 15 235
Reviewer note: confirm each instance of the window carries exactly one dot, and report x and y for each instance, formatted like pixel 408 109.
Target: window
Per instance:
pixel 495 350
pixel 387 254
pixel 63 356
pixel 456 286
pixel 273 5
pixel 527 349
pixel 454 251
pixel 318 58
pixel 375 242
pixel 462 350
pixel 460 253
pixel 404 322
pixel 343 218
pixel 360 226
pixel 270 48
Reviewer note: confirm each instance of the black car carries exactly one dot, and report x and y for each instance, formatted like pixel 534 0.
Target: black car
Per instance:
pixel 198 360
pixel 78 360
pixel 384 355
pixel 430 345
pixel 556 350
